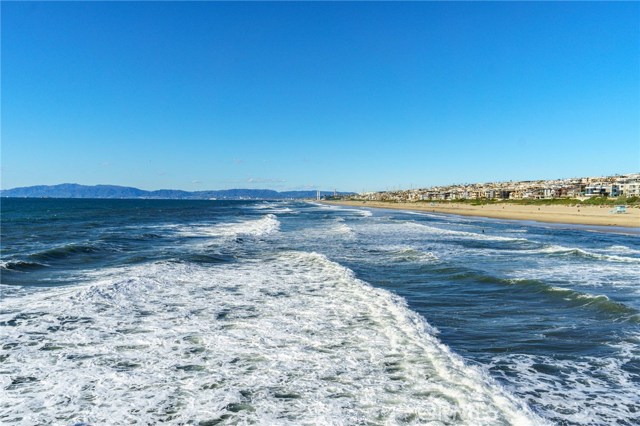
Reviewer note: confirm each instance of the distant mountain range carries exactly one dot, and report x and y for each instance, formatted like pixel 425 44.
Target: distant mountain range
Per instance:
pixel 73 190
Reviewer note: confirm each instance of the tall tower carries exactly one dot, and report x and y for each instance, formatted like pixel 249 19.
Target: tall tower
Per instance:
pixel 318 195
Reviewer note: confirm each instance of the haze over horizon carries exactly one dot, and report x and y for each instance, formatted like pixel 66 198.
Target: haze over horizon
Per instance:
pixel 294 190
pixel 291 96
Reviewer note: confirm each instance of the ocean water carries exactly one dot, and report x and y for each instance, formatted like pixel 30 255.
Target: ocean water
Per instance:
pixel 213 312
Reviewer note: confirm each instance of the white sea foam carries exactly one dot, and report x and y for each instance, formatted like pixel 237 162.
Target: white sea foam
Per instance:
pixel 622 250
pixel 587 391
pixel 359 212
pixel 560 250
pixel 283 210
pixel 583 275
pixel 275 208
pixel 344 229
pixel 404 253
pixel 412 254
pixel 266 225
pixel 324 206
pixel 341 228
pixel 355 211
pixel 293 340
pixel 263 206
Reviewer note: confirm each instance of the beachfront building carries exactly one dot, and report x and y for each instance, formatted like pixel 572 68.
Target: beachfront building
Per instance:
pixel 602 190
pixel 608 186
pixel 629 185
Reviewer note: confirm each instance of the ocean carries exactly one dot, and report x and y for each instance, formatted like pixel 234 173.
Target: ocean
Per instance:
pixel 251 312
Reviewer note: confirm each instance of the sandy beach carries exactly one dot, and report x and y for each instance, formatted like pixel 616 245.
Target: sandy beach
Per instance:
pixel 583 215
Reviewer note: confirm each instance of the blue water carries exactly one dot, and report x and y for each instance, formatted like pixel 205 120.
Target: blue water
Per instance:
pixel 220 312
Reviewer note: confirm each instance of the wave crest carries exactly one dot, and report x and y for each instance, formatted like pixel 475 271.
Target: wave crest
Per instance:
pixel 267 225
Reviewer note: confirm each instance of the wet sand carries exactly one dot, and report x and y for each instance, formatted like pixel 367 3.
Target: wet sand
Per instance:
pixel 583 215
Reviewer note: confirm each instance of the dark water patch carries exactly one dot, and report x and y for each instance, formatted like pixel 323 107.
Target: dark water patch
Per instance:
pixel 9 346
pixel 141 313
pixel 21 318
pixel 444 269
pixel 132 330
pixel 125 366
pixel 236 407
pixel 223 314
pixel 190 367
pixel 69 251
pixel 67 319
pixel 79 356
pixel 55 328
pixel 51 347
pixel 132 260
pixel 498 244
pixel 200 258
pixel 220 420
pixel 272 293
pixel 19 381
pixel 128 237
pixel 68 323
pixel 287 395
pixel 393 367
pixel 150 236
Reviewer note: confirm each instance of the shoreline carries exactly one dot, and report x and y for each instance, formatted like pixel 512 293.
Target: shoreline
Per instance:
pixel 583 215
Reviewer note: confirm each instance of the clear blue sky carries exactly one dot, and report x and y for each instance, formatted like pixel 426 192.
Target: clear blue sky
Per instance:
pixel 353 96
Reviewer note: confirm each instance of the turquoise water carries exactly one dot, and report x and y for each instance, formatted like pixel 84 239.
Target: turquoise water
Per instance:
pixel 212 312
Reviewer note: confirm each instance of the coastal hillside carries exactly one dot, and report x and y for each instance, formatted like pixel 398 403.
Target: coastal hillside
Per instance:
pixel 73 190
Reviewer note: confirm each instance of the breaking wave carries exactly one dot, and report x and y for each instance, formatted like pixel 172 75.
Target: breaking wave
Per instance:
pixel 556 250
pixel 267 225
pixel 20 265
pixel 296 339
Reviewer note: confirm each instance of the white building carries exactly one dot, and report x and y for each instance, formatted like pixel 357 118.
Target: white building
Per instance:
pixel 629 185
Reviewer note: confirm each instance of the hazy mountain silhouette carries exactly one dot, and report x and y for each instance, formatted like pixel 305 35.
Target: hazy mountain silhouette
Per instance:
pixel 74 190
